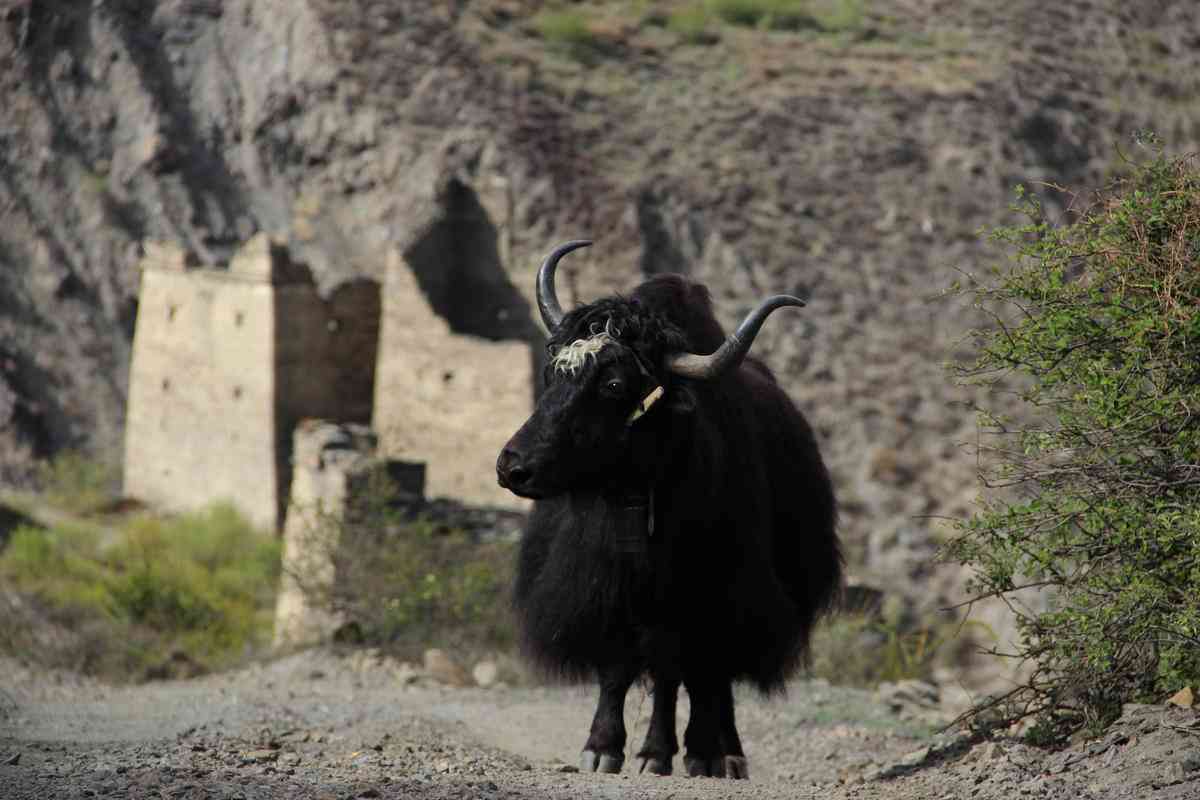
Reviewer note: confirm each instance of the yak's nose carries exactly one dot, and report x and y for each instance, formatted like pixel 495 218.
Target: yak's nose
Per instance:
pixel 511 470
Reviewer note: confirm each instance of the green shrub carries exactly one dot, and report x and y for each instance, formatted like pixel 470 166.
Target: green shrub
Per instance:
pixel 774 14
pixel 692 23
pixel 199 588
pixel 568 31
pixel 1095 501
pixel 862 649
pixel 74 482
pixel 830 16
pixel 408 584
pixel 838 16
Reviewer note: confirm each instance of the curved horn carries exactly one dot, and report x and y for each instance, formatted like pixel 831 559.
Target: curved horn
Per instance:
pixel 547 298
pixel 734 349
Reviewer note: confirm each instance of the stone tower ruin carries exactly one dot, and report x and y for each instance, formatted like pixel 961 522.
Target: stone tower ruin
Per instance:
pixel 227 362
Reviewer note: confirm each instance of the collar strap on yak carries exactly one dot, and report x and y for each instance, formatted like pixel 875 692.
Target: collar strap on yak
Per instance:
pixel 644 406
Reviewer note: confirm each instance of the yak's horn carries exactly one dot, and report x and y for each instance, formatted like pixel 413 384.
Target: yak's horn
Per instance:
pixel 731 353
pixel 547 299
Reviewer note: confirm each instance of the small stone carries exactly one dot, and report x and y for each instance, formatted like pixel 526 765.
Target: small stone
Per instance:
pixel 1183 698
pixel 1174 773
pixel 915 758
pixel 486 673
pixel 406 674
pixel 259 756
pixel 990 752
pixel 442 668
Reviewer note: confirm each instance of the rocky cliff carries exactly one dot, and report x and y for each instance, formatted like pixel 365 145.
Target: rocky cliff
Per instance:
pixel 852 166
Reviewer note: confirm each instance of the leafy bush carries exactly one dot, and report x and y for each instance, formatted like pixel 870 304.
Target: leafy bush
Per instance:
pixel 692 23
pixel 838 16
pixel 1095 505
pixel 198 588
pixel 864 648
pixel 777 14
pixel 410 579
pixel 822 15
pixel 568 30
pixel 75 482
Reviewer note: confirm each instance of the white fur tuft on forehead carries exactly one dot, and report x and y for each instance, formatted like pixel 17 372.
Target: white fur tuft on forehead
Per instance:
pixel 573 357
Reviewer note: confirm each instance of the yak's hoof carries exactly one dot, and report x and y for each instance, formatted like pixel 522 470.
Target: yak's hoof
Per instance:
pixel 656 766
pixel 735 767
pixel 591 761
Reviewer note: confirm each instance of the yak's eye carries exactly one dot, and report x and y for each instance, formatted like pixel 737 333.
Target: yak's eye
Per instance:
pixel 614 388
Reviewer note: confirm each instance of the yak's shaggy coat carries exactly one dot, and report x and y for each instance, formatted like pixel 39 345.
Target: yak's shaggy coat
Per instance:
pixel 741 556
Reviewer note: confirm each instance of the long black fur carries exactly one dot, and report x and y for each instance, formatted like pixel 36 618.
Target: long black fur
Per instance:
pixel 744 555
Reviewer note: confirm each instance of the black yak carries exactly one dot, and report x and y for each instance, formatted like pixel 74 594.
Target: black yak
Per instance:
pixel 684 523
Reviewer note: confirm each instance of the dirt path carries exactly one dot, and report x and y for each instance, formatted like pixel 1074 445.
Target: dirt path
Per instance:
pixel 316 726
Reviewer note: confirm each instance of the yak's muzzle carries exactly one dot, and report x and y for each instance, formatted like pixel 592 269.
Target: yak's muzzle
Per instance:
pixel 512 472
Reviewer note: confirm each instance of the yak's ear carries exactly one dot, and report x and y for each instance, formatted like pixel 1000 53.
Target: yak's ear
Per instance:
pixel 681 399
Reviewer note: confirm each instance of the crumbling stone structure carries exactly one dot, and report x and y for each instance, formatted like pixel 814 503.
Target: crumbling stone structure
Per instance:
pixel 226 363
pixel 334 466
pixel 448 399
pixel 456 368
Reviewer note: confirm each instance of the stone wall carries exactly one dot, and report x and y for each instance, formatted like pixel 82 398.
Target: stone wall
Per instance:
pixel 226 362
pixel 448 399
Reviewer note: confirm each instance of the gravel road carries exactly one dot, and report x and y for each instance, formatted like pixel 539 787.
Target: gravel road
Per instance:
pixel 320 726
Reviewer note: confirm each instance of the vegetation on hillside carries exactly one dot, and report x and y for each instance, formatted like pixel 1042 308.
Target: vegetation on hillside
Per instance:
pixel 76 483
pixel 586 31
pixel 157 597
pixel 1091 533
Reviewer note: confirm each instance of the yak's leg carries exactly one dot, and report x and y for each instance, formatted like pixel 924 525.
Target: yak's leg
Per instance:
pixel 714 748
pixel 702 737
pixel 605 748
pixel 661 745
pixel 735 764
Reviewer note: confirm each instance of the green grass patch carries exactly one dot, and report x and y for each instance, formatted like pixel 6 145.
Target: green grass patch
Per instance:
pixel 567 30
pixel 75 482
pixel 693 23
pixel 838 16
pixel 830 16
pixel 196 589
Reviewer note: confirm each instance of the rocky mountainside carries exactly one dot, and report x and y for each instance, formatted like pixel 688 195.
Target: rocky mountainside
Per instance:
pixel 854 167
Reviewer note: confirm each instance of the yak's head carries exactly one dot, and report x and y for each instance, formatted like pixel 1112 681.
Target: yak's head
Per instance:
pixel 611 362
